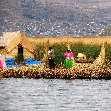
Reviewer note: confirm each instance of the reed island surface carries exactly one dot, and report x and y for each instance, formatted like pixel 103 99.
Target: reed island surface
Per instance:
pixel 96 49
pixel 76 72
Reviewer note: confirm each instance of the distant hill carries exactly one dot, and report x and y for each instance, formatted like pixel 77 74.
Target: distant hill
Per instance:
pixel 55 17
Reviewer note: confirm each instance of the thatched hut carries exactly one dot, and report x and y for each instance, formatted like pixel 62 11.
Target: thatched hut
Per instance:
pixel 14 43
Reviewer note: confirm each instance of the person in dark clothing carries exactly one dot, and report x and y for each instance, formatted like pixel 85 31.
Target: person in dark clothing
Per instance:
pixel 51 57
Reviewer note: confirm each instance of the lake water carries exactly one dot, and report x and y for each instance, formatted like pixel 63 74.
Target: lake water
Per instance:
pixel 54 95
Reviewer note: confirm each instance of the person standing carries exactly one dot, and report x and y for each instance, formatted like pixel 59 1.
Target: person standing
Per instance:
pixel 68 62
pixel 51 57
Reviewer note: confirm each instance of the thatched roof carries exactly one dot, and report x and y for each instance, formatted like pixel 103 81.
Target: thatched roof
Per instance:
pixel 10 40
pixel 6 38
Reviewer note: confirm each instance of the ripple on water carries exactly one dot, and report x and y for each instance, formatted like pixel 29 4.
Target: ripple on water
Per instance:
pixel 54 95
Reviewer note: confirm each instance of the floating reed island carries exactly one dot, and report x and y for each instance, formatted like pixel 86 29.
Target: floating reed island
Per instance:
pixel 77 72
pixel 95 70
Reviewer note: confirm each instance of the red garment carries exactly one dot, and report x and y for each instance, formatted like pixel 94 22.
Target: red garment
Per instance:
pixel 68 54
pixel 1 64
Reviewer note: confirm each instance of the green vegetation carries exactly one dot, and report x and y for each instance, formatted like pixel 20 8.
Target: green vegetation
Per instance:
pixel 91 51
pixel 59 50
pixel 19 59
pixel 39 52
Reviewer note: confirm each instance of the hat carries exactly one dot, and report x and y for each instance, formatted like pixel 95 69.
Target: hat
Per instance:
pixel 69 49
pixel 50 48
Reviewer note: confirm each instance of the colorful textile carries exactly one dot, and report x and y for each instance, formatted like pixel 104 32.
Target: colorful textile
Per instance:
pixel 68 54
pixel 68 63
pixel 1 64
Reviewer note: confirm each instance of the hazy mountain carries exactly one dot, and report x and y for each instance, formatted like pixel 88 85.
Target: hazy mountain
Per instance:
pixel 55 17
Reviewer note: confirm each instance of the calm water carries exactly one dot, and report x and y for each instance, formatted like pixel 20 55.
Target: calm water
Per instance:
pixel 54 95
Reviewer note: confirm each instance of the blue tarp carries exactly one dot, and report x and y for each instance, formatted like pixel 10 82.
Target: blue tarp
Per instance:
pixel 31 61
pixel 9 59
pixel 10 62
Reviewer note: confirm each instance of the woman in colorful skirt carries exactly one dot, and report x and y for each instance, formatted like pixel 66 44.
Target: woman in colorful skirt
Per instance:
pixel 68 62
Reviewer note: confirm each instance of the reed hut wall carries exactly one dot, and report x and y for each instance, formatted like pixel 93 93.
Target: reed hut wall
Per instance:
pixel 14 52
pixel 2 51
pixel 9 44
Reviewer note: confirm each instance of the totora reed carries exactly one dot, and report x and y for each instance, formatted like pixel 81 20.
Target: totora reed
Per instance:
pixel 95 70
pixel 77 72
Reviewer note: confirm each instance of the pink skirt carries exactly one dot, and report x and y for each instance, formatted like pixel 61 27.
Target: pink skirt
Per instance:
pixel 1 64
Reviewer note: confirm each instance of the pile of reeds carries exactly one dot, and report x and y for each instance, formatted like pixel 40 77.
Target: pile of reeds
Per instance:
pixel 77 72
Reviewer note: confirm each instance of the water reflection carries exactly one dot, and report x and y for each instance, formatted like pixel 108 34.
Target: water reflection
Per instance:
pixel 54 95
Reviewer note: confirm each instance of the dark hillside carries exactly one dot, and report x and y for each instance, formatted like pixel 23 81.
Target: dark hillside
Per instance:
pixel 55 17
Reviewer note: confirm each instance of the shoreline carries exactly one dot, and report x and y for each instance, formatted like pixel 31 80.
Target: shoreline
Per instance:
pixel 77 72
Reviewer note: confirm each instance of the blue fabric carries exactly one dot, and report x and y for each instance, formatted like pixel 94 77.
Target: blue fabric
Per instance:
pixel 13 65
pixel 9 62
pixel 9 59
pixel 31 61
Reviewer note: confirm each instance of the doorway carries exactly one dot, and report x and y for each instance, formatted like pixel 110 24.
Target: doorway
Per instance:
pixel 20 49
